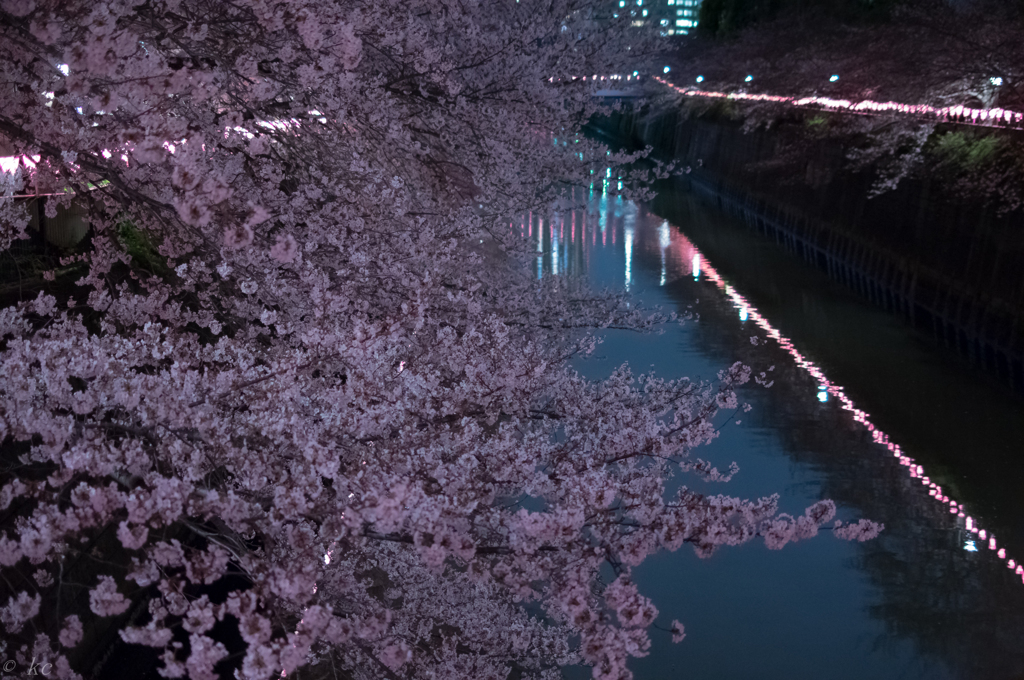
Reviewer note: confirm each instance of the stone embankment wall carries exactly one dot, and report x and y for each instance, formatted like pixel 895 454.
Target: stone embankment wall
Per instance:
pixel 953 270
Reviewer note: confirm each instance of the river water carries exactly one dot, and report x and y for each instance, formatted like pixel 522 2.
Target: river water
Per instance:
pixel 861 411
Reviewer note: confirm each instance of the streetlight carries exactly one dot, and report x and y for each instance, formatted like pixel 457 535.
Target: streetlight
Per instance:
pixel 667 69
pixel 833 79
pixel 748 79
pixel 700 79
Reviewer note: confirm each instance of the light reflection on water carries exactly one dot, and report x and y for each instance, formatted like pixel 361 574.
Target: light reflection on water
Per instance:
pixel 824 609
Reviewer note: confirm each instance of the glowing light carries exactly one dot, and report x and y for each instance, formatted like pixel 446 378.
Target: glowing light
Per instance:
pixel 995 80
pixel 664 235
pixel 666 70
pixel 958 114
pixel 554 252
pixel 629 257
pixel 833 79
pixel 700 79
pixel 664 241
pixel 675 247
pixel 827 389
pixel 748 79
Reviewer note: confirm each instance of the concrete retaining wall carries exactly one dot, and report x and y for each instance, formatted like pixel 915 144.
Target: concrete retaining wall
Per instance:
pixel 953 270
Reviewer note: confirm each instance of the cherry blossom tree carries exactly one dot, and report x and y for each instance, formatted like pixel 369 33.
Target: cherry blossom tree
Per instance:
pixel 331 429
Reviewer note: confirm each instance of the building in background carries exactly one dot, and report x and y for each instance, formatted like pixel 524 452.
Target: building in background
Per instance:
pixel 675 17
pixel 685 15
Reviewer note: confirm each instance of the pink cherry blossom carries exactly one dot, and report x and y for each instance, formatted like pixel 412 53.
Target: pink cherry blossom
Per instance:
pixel 862 530
pixel 71 634
pixel 105 600
pixel 18 610
pixel 300 360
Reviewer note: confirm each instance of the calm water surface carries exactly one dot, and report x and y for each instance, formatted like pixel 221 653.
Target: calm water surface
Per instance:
pixel 862 412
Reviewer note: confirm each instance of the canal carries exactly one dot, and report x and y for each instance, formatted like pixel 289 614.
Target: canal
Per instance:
pixel 862 411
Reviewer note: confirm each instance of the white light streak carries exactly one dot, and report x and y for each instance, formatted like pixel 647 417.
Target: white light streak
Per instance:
pixel 964 115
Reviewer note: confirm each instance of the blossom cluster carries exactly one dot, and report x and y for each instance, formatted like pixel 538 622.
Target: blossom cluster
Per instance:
pixel 312 418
